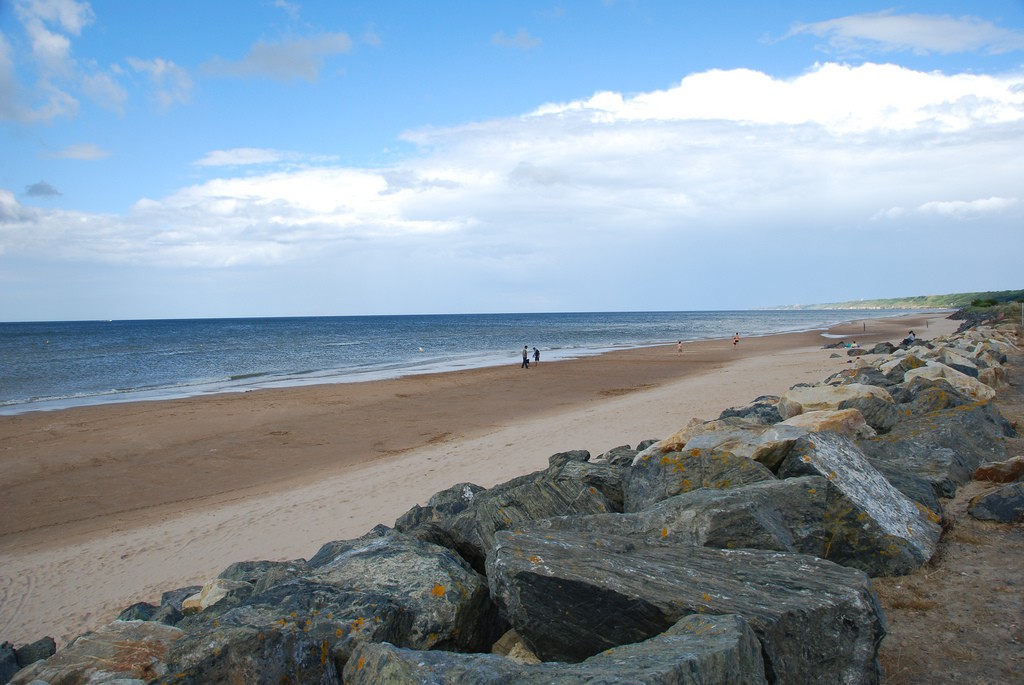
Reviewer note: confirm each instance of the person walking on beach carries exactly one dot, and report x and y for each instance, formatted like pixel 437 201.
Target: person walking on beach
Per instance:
pixel 536 356
pixel 679 346
pixel 526 357
pixel 736 339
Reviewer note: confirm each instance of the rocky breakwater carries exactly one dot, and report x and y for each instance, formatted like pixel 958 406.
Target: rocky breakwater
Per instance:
pixel 738 550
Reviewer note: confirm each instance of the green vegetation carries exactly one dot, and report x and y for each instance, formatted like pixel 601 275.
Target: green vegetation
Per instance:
pixel 952 301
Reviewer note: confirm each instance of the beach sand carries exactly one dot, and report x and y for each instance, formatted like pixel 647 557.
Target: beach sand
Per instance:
pixel 104 506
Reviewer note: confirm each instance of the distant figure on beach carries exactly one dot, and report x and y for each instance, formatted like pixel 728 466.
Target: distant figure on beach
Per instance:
pixel 909 339
pixel 679 346
pixel 736 340
pixel 526 357
pixel 536 356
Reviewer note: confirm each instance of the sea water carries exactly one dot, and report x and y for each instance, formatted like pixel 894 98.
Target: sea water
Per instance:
pixel 53 365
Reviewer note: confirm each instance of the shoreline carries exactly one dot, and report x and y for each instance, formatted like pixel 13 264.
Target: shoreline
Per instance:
pixel 112 504
pixel 273 380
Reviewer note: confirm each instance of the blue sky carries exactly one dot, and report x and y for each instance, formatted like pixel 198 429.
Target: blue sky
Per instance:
pixel 272 158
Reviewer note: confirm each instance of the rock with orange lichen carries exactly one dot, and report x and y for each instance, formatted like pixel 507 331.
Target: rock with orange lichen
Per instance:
pixel 873 526
pixel 963 383
pixel 656 476
pixel 120 652
pixel 384 586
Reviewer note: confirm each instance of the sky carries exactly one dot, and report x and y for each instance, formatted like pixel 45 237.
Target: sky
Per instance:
pixel 187 158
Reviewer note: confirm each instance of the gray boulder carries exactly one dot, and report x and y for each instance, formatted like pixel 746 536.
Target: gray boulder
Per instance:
pixel 1004 504
pixel 656 476
pixel 297 631
pixel 764 409
pixel 573 595
pixel 896 368
pixel 922 396
pixel 168 611
pixel 263 575
pixel 618 456
pixel 873 527
pixel 783 515
pixel 698 650
pixel 880 414
pixel 8 662
pixel 41 649
pixel 466 517
pixel 942 447
pixel 384 586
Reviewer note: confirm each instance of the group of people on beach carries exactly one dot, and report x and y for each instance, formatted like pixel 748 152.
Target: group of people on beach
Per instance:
pixel 526 357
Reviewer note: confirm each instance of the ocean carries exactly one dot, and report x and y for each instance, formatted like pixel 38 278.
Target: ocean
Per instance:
pixel 55 365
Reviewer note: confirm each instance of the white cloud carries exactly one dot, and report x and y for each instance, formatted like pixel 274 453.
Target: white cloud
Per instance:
pixel 172 84
pixel 52 50
pixel 240 156
pixel 104 90
pixel 522 40
pixel 250 156
pixel 43 22
pixel 287 60
pixel 290 8
pixel 920 33
pixel 838 97
pixel 70 15
pixel 83 151
pixel 726 164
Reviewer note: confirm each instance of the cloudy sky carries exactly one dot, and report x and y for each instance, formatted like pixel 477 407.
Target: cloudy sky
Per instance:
pixel 190 158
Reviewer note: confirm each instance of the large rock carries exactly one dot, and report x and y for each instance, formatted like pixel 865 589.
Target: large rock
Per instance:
pixel 769 445
pixel 921 396
pixel 958 362
pixel 119 653
pixel 298 631
pixel 1001 471
pixel 783 515
pixel 383 586
pixel 764 409
pixel 698 650
pixel 896 367
pixel 804 398
pixel 963 383
pixel 1004 504
pixel 696 428
pixel 466 517
pixel 215 591
pixel 849 422
pixel 879 414
pixel 656 476
pixel 942 447
pixel 572 595
pixel 8 662
pixel 874 527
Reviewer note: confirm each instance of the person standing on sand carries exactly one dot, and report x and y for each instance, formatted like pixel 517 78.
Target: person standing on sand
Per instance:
pixel 679 346
pixel 526 358
pixel 736 339
pixel 536 356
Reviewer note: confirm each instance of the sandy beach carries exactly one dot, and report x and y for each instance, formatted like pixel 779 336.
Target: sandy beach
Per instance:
pixel 108 505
